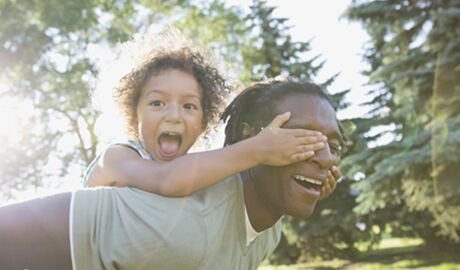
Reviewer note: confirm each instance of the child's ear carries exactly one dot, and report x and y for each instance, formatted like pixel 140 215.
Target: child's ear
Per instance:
pixel 247 131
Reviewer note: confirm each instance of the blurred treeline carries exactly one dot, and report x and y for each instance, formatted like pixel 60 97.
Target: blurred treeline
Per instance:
pixel 402 168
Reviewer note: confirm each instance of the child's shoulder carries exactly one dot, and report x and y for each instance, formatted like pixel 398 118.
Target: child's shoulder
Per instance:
pixel 134 145
pixel 113 154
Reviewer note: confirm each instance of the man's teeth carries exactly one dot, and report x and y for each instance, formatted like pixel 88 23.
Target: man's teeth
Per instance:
pixel 309 180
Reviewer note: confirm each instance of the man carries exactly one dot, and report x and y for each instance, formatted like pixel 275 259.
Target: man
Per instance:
pixel 231 225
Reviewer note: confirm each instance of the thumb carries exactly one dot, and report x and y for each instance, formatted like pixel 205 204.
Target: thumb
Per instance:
pixel 280 119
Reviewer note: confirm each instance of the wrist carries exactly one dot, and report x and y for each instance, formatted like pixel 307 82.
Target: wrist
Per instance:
pixel 255 149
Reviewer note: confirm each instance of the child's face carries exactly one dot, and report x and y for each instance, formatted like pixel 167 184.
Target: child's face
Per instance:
pixel 170 114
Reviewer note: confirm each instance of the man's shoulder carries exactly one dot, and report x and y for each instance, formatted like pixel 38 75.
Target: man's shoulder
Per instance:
pixel 230 185
pixel 227 192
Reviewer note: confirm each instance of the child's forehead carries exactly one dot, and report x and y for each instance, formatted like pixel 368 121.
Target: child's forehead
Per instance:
pixel 172 82
pixel 159 92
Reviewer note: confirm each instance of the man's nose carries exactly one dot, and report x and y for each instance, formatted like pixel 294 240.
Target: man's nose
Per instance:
pixel 173 113
pixel 324 158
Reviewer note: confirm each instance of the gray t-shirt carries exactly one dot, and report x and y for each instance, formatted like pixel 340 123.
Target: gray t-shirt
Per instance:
pixel 127 228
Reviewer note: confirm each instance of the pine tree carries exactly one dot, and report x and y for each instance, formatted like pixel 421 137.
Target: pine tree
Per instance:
pixel 410 159
pixel 270 51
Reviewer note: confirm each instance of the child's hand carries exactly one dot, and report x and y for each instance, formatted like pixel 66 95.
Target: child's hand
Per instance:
pixel 280 146
pixel 334 176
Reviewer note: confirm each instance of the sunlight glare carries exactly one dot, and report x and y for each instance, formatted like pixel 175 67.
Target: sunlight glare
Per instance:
pixel 14 116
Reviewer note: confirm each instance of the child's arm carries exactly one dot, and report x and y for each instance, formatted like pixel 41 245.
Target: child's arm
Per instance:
pixel 122 166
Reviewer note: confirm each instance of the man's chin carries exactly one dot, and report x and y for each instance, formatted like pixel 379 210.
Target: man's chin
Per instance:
pixel 303 213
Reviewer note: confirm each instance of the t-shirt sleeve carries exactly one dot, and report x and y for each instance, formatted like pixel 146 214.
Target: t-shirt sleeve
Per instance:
pixel 89 170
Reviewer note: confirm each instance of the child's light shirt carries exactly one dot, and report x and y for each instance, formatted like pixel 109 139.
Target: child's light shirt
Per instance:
pixel 135 145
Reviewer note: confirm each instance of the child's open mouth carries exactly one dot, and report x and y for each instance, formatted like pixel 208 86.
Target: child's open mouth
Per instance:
pixel 169 144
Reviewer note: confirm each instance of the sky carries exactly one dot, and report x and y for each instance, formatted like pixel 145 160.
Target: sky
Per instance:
pixel 338 41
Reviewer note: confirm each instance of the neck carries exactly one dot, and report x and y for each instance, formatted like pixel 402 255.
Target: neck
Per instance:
pixel 261 215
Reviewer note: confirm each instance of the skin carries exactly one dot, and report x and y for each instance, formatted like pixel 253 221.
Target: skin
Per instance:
pixel 35 234
pixel 271 192
pixel 170 102
pixel 41 241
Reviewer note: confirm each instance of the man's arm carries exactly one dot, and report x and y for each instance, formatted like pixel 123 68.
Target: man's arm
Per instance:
pixel 35 234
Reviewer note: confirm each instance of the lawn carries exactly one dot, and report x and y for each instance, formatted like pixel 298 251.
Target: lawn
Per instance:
pixel 391 254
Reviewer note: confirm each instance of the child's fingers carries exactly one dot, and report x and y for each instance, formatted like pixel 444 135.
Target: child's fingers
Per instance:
pixel 331 180
pixel 311 147
pixel 329 187
pixel 336 173
pixel 307 151
pixel 302 156
pixel 279 120
pixel 310 140
pixel 325 191
pixel 305 133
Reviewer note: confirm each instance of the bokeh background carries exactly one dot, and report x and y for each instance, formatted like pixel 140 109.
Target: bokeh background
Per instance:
pixel 393 68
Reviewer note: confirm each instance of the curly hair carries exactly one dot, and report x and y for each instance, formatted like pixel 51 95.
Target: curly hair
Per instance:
pixel 171 50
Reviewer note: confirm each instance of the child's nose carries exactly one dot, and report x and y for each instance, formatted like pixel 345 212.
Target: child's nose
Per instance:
pixel 173 114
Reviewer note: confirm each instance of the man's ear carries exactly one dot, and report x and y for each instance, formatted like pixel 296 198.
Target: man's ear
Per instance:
pixel 247 131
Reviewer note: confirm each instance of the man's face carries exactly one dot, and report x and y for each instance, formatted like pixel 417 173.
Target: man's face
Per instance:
pixel 284 190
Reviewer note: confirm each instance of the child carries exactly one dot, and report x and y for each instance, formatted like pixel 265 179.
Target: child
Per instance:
pixel 168 101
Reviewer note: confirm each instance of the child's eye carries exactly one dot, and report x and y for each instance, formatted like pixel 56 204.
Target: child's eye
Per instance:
pixel 156 103
pixel 190 106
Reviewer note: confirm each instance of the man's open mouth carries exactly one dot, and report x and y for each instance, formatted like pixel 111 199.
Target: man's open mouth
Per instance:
pixel 307 182
pixel 169 144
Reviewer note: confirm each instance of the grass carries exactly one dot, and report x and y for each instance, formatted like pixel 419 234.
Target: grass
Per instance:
pixel 391 254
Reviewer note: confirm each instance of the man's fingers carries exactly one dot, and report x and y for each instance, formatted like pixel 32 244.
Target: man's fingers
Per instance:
pixel 332 181
pixel 280 120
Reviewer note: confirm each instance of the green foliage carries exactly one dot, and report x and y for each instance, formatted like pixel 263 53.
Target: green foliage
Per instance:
pixel 331 232
pixel 270 50
pixel 414 58
pixel 410 171
pixel 46 59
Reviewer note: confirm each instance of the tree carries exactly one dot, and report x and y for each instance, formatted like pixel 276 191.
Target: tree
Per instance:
pixel 47 57
pixel 409 165
pixel 269 51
